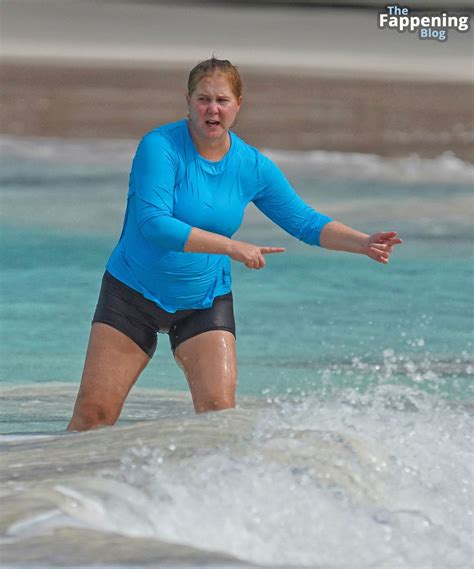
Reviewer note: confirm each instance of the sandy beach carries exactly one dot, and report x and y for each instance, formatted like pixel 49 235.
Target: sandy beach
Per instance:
pixel 383 116
pixel 313 78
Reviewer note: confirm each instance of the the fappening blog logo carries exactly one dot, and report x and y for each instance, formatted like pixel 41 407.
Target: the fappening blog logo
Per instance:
pixel 428 26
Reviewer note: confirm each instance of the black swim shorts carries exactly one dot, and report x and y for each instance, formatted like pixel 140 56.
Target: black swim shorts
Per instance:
pixel 140 319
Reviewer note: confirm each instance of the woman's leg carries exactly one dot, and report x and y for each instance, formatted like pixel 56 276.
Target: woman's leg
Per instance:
pixel 113 364
pixel 210 365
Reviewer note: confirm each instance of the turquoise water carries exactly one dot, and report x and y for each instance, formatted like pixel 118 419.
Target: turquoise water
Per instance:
pixel 310 317
pixel 351 445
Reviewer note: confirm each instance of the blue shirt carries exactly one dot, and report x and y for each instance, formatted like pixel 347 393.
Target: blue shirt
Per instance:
pixel 173 189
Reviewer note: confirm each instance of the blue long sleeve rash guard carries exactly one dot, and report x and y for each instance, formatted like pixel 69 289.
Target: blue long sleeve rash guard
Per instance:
pixel 173 189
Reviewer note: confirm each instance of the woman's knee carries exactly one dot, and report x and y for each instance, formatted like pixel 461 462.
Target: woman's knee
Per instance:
pixel 89 415
pixel 214 404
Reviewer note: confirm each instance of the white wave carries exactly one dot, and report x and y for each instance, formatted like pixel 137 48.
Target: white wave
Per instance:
pixel 446 168
pixel 304 482
pixel 116 152
pixel 23 438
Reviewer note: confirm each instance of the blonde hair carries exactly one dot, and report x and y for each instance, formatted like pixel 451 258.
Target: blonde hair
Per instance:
pixel 214 65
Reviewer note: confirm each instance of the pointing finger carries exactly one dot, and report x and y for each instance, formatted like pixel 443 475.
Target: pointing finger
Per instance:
pixel 268 250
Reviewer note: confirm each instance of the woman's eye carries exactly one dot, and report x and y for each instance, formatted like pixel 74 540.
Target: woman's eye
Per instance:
pixel 207 100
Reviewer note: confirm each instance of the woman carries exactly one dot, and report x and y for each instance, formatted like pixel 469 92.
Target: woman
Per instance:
pixel 170 272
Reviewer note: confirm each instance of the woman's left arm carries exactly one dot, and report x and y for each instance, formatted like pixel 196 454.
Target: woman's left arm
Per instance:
pixel 278 201
pixel 340 237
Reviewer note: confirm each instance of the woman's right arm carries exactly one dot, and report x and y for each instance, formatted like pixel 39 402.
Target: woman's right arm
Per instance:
pixel 201 241
pixel 152 183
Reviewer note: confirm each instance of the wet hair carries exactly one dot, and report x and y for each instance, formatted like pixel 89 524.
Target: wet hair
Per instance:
pixel 214 65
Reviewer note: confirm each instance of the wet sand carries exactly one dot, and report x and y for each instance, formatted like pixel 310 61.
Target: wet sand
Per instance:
pixel 386 116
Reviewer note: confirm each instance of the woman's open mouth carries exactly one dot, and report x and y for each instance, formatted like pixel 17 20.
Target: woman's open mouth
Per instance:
pixel 212 123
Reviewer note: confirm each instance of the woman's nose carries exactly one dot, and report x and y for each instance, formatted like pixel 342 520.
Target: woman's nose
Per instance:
pixel 212 107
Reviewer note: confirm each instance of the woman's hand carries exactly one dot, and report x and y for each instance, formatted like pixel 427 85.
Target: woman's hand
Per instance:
pixel 251 255
pixel 380 245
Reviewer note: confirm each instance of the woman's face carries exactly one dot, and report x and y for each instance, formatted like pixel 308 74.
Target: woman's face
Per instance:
pixel 213 107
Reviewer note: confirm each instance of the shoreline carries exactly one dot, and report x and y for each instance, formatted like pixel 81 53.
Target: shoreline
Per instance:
pixel 282 110
pixel 333 66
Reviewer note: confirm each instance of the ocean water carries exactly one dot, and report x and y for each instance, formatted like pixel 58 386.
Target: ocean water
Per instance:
pixel 351 446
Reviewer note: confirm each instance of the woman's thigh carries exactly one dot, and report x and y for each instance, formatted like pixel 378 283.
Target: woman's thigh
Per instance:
pixel 113 364
pixel 209 363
